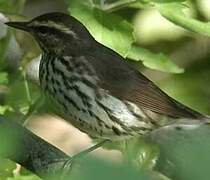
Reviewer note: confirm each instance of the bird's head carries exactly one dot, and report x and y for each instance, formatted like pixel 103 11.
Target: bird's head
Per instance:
pixel 57 33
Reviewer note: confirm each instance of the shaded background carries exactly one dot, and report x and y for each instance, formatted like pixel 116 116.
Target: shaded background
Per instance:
pixel 186 49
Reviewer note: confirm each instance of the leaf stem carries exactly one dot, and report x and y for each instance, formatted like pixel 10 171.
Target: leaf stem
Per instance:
pixel 116 5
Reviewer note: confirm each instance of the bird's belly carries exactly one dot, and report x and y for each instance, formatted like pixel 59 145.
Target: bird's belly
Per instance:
pixel 106 117
pixel 77 102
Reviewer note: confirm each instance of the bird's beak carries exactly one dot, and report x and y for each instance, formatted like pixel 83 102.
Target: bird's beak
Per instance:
pixel 19 25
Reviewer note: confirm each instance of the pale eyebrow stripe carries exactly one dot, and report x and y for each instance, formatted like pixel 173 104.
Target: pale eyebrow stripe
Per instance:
pixel 52 24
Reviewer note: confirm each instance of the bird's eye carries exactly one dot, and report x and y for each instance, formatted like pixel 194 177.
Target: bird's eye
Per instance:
pixel 43 30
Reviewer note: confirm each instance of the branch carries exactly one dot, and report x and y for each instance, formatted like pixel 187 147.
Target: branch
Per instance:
pixel 22 146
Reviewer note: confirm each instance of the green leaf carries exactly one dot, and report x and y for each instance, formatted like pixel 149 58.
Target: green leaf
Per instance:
pixel 116 33
pixel 17 97
pixel 153 61
pixel 5 108
pixel 108 29
pixel 161 1
pixel 174 12
pixel 3 78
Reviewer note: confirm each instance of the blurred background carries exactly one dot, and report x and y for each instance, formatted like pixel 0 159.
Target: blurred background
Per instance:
pixel 188 50
pixel 183 72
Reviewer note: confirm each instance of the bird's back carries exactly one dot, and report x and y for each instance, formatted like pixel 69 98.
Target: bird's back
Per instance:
pixel 126 83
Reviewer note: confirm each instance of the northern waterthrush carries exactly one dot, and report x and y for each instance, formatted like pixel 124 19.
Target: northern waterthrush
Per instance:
pixel 93 86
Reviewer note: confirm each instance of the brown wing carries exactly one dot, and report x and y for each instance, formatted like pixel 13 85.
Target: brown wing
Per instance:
pixel 126 83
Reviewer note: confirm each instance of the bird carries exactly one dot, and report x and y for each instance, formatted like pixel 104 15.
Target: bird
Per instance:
pixel 95 88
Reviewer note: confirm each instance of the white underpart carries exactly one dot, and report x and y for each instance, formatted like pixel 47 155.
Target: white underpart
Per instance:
pixel 118 108
pixel 136 109
pixel 121 111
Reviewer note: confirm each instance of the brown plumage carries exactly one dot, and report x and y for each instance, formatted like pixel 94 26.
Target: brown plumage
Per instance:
pixel 128 84
pixel 93 86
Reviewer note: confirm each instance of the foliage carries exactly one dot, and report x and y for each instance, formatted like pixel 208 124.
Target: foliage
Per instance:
pixel 181 19
pixel 117 34
pixel 111 23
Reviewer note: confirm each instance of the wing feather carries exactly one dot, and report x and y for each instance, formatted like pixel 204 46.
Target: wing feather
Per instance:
pixel 126 83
